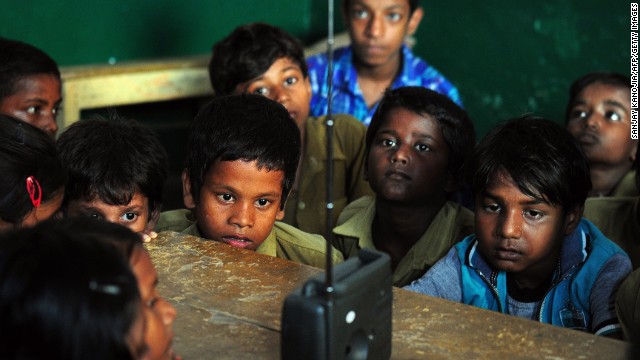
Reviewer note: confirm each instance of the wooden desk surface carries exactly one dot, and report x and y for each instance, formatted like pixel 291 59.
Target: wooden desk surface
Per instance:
pixel 229 304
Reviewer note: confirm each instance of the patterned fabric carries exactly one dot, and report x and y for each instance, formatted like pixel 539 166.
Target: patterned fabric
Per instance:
pixel 347 96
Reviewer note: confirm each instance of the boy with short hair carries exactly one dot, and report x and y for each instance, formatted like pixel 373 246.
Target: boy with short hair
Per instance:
pixel 116 171
pixel 377 59
pixel 533 255
pixel 416 145
pixel 598 115
pixel 29 85
pixel 265 60
pixel 241 164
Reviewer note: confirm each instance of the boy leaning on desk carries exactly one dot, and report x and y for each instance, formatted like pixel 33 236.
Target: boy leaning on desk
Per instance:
pixel 242 157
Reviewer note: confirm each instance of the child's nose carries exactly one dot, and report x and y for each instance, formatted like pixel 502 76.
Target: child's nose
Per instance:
pixel 510 226
pixel 168 313
pixel 281 96
pixel 401 155
pixel 242 215
pixel 375 26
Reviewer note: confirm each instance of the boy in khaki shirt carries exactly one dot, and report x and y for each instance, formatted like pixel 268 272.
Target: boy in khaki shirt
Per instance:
pixel 241 163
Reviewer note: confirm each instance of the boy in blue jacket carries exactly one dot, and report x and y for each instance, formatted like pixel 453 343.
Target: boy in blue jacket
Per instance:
pixel 533 255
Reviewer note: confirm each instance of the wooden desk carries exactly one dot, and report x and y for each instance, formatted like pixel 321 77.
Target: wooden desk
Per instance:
pixel 229 304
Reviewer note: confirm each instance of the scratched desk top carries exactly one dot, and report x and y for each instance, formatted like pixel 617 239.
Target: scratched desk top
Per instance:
pixel 229 304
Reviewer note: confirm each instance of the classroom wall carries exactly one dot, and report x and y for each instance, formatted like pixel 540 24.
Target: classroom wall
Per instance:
pixel 507 57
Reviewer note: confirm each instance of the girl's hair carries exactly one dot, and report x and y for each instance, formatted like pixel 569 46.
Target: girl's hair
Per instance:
pixel 64 295
pixel 30 169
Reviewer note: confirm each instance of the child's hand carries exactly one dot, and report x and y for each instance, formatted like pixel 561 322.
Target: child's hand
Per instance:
pixel 148 235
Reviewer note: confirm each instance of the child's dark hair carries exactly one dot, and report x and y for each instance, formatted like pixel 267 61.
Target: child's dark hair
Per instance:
pixel 74 297
pixel 26 151
pixel 113 160
pixel 243 127
pixel 19 60
pixel 539 155
pixel 607 78
pixel 248 52
pixel 454 123
pixel 413 5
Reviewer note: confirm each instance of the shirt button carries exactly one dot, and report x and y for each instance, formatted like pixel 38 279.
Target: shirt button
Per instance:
pixel 301 205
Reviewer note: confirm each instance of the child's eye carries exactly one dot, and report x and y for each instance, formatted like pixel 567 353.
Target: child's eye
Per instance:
pixel 578 114
pixel 33 110
pixel 494 208
pixel 533 214
pixel 388 142
pixel 94 216
pixel 129 216
pixel 262 203
pixel 423 147
pixel 291 80
pixel 394 17
pixel 360 14
pixel 55 110
pixel 612 115
pixel 152 302
pixel 260 91
pixel 226 198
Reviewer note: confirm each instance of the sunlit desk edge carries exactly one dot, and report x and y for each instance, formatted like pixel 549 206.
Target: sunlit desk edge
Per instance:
pixel 229 304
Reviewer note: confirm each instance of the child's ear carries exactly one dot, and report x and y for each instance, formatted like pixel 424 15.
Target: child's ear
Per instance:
pixel 414 21
pixel 187 197
pixel 154 217
pixel 634 153
pixel 572 219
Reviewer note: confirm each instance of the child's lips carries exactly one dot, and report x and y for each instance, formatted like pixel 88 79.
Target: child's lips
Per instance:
pixel 397 175
pixel 237 241
pixel 507 254
pixel 588 138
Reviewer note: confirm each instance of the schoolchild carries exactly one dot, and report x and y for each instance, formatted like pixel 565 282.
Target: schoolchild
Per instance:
pixel 416 145
pixel 265 60
pixel 376 59
pixel 598 115
pixel 628 307
pixel 63 297
pixel 619 218
pixel 159 314
pixel 242 156
pixel 116 171
pixel 533 255
pixel 31 176
pixel 29 85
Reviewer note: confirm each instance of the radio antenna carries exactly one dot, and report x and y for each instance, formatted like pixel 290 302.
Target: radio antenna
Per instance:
pixel 329 129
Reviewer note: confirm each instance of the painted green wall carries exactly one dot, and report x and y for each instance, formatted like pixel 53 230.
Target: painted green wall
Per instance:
pixel 507 57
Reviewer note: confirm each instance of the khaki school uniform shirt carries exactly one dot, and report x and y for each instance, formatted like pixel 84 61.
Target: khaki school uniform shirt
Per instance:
pixel 628 307
pixel 626 186
pixel 452 223
pixel 618 219
pixel 306 208
pixel 284 241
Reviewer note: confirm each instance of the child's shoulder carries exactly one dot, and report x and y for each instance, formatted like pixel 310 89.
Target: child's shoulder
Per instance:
pixel 174 220
pixel 301 246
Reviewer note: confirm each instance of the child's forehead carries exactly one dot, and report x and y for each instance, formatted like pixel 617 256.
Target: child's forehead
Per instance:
pixel 244 174
pixel 501 184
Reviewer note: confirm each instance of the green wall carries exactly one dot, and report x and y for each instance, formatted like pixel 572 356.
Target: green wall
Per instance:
pixel 507 57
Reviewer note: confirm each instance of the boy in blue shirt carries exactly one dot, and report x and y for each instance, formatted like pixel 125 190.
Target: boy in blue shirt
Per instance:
pixel 377 59
pixel 533 255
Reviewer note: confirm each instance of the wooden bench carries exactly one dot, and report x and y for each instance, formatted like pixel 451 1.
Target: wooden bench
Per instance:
pixel 229 304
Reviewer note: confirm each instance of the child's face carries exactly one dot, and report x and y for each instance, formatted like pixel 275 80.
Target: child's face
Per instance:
pixel 284 83
pixel 408 158
pixel 43 212
pixel 158 313
pixel 378 28
pixel 135 337
pixel 601 121
pixel 517 233
pixel 238 203
pixel 135 215
pixel 36 101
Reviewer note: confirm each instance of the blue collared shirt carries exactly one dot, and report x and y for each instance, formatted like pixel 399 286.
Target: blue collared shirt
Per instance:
pixel 347 96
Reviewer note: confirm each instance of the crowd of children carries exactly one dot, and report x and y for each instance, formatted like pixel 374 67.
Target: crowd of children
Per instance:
pixel 537 220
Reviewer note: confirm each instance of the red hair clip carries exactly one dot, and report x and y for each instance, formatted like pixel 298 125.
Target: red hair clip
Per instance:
pixel 34 190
